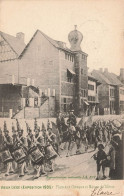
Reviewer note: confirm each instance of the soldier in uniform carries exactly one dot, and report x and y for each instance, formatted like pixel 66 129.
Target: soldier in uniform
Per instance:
pixel 23 144
pixel 72 118
pixel 51 141
pixel 60 122
pixel 8 146
pixel 39 141
pixel 1 148
pixel 72 138
pixel 30 143
pixel 19 143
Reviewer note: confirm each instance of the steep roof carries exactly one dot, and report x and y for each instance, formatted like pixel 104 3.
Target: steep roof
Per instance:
pixel 57 44
pixel 91 77
pixel 113 78
pixel 16 44
pixel 100 77
pixel 106 77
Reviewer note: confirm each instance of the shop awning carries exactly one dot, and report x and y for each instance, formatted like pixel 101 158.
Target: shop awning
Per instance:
pixel 86 102
pixel 71 72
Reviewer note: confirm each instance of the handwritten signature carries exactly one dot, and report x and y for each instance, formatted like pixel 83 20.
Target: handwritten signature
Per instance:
pixel 99 191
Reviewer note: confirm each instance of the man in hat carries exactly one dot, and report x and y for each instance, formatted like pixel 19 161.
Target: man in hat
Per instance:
pixel 51 140
pixel 30 143
pixel 39 142
pixel 24 145
pixel 19 141
pixel 60 121
pixel 72 138
pixel 72 118
pixel 8 146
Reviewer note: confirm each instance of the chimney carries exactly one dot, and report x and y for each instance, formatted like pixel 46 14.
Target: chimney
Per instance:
pixel 101 70
pixel 20 36
pixel 122 74
pixel 106 70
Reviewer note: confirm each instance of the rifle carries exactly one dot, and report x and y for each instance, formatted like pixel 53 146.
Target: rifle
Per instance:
pixel 49 139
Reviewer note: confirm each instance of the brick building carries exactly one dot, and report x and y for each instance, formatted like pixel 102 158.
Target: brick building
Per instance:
pixel 43 67
pixel 110 92
pixel 93 100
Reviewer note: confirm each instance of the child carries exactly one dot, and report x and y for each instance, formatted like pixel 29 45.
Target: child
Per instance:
pixel 100 158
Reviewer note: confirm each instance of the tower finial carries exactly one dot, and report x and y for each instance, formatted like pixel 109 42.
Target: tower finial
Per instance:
pixel 75 26
pixel 75 38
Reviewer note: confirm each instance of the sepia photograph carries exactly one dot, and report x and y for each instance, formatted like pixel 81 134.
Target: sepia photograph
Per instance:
pixel 61 91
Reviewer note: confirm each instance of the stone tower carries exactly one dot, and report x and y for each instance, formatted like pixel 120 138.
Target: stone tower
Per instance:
pixel 81 92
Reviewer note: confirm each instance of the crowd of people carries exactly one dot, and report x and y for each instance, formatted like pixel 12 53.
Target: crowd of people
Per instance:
pixel 103 136
pixel 40 147
pixel 37 149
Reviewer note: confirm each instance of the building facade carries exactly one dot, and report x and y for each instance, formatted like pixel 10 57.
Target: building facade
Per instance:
pixel 93 100
pixel 110 92
pixel 43 68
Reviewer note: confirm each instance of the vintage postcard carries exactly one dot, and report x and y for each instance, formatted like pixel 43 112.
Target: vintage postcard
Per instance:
pixel 61 97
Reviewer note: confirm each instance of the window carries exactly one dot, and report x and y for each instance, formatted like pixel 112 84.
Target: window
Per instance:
pixel 90 87
pixel 69 76
pixel 91 98
pixel 111 92
pixel 69 57
pixel 69 79
pixel 121 92
pixel 36 102
pixel 84 93
pixel 27 102
pixel 64 100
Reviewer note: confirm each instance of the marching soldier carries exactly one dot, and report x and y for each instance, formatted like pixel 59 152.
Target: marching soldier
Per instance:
pixel 72 133
pixel 72 118
pixel 60 121
pixel 51 148
pixel 23 144
pixel 39 141
pixel 1 148
pixel 7 151
pixel 30 143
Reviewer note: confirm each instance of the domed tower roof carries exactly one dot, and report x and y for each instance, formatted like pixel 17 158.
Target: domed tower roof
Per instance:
pixel 75 38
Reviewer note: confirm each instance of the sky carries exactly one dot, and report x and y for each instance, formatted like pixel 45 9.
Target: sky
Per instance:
pixel 100 22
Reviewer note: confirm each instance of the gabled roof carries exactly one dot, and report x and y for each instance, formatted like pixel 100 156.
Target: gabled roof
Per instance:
pixel 100 77
pixel 113 78
pixel 106 77
pixel 16 44
pixel 57 44
pixel 91 77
